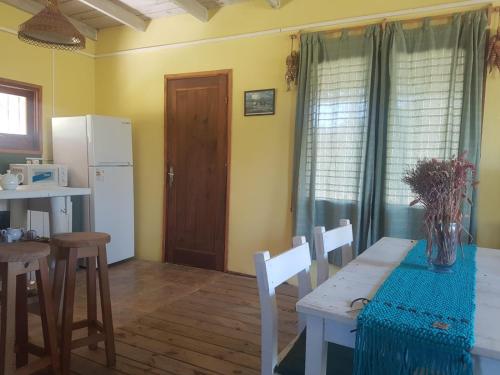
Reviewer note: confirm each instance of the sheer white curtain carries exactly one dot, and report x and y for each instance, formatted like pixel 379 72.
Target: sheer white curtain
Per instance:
pixel 338 141
pixel 425 109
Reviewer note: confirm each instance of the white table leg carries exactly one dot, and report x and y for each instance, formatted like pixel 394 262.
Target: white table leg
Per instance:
pixel 316 346
pixel 486 366
pixel 61 213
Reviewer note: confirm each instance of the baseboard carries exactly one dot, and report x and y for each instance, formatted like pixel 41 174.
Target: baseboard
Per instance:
pixel 241 274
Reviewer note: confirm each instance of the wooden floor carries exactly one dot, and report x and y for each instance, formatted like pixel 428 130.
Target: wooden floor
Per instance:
pixel 178 320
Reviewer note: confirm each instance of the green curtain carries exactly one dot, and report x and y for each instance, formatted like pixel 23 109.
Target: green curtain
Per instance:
pixel 335 131
pixel 369 106
pixel 431 107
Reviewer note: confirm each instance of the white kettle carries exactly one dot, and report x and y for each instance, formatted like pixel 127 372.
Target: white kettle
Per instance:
pixel 9 181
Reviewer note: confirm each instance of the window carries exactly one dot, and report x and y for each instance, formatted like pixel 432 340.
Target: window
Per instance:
pixel 20 117
pixel 370 104
pixel 425 110
pixel 341 128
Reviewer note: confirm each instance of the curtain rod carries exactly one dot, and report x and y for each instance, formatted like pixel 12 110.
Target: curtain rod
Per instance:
pixel 383 18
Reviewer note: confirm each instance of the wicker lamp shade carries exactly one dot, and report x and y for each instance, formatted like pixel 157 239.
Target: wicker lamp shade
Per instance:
pixel 51 29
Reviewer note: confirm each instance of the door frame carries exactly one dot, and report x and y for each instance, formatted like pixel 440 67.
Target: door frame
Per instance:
pixel 229 79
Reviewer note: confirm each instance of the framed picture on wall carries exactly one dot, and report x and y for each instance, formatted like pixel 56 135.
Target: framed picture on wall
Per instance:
pixel 260 102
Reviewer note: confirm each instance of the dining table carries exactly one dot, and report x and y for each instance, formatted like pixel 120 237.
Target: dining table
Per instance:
pixel 330 317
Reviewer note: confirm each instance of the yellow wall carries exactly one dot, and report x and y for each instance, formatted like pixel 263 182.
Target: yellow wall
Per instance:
pixel 259 216
pixel 67 78
pixel 489 187
pixel 131 85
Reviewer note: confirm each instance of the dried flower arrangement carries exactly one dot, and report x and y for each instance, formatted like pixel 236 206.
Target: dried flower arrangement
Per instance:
pixel 441 186
pixel 493 58
pixel 292 66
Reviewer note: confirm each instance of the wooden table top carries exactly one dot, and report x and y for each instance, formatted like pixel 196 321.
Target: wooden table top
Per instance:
pixel 363 276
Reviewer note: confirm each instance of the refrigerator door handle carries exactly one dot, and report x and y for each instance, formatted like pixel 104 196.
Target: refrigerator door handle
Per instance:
pixel 171 175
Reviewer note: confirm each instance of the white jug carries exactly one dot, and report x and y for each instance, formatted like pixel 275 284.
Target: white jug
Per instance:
pixel 9 181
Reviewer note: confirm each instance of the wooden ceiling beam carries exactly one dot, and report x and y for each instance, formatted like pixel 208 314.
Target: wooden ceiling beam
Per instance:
pixel 193 7
pixel 34 7
pixel 274 3
pixel 118 13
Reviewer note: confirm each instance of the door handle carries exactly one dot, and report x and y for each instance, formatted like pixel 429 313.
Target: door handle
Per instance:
pixel 171 175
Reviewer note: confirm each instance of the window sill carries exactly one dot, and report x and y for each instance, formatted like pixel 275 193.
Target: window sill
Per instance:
pixel 32 152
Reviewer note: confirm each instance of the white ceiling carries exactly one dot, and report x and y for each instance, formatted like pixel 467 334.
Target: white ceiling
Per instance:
pixel 162 8
pixel 89 16
pixel 145 9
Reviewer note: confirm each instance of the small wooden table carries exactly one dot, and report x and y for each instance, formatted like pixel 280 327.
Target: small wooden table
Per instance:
pixel 329 317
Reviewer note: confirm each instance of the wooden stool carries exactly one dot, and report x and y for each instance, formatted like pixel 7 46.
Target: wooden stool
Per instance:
pixel 68 248
pixel 16 260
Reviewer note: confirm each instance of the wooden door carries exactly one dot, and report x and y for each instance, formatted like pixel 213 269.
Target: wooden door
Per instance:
pixel 196 169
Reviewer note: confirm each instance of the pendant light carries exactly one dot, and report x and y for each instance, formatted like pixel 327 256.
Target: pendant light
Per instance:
pixel 51 29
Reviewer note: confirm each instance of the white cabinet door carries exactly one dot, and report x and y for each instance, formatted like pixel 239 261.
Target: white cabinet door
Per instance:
pixel 109 141
pixel 112 209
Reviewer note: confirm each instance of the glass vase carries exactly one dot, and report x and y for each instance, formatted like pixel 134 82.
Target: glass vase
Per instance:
pixel 445 242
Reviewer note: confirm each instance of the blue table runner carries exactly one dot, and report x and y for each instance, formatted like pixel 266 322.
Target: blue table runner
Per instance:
pixel 419 321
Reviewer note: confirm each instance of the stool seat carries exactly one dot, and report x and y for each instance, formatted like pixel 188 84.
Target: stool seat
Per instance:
pixel 80 239
pixel 23 251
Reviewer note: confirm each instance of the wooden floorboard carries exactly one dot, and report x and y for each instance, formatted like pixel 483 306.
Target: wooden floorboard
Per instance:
pixel 175 320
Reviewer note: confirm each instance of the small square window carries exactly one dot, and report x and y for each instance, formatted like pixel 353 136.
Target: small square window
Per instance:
pixel 20 117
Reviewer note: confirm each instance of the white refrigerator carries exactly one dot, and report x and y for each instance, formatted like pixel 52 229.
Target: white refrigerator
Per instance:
pixel 98 153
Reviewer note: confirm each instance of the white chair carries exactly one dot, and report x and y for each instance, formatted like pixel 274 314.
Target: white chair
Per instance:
pixel 327 241
pixel 270 274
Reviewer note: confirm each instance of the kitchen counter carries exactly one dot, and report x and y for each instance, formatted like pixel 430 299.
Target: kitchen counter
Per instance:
pixel 40 191
pixel 60 208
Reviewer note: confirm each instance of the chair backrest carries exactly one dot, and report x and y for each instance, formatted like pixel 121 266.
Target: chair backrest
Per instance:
pixel 272 272
pixel 327 241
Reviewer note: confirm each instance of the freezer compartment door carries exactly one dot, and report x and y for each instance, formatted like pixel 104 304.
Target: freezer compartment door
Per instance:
pixel 109 141
pixel 112 209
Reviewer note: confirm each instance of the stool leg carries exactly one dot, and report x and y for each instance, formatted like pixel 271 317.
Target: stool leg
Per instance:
pixel 58 286
pixel 107 319
pixel 21 321
pixel 67 316
pixel 47 313
pixel 7 325
pixel 91 299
